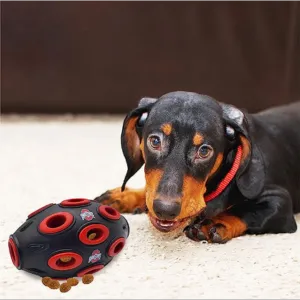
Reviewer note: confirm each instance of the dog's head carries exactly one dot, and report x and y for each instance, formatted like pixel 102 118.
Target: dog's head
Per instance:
pixel 184 138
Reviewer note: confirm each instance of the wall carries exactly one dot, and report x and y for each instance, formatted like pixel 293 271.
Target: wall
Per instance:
pixel 93 57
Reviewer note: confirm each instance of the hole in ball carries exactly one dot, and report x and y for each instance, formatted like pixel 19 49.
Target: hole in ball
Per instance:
pixel 12 254
pixel 92 271
pixel 95 234
pixel 75 200
pixel 111 211
pixel 65 261
pixel 116 247
pixel 56 221
pixel 119 247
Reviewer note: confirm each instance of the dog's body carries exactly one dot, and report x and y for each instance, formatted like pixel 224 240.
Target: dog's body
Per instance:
pixel 277 132
pixel 191 146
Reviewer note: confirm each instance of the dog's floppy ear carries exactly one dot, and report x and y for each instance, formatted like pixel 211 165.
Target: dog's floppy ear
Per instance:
pixel 250 178
pixel 131 137
pixel 234 120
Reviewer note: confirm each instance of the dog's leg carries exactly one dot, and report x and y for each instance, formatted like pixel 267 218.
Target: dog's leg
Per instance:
pixel 271 213
pixel 128 201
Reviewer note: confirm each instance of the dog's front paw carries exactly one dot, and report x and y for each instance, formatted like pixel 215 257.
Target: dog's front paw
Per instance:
pixel 128 201
pixel 207 231
pixel 219 229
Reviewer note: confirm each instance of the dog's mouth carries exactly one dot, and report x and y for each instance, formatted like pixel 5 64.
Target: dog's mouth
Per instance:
pixel 165 225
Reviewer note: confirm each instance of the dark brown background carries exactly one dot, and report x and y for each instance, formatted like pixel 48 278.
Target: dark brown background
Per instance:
pixel 91 57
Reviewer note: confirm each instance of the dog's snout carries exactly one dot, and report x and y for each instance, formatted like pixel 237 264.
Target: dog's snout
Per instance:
pixel 167 210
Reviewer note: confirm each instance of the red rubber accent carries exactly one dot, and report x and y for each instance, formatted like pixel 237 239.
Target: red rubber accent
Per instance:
pixel 101 230
pixel 39 210
pixel 90 270
pixel 229 176
pixel 109 212
pixel 75 202
pixel 14 253
pixel 55 263
pixel 116 247
pixel 56 223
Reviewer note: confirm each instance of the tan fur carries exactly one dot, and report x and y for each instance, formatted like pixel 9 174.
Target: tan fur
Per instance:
pixel 153 178
pixel 192 200
pixel 197 139
pixel 232 227
pixel 166 128
pixel 132 138
pixel 127 201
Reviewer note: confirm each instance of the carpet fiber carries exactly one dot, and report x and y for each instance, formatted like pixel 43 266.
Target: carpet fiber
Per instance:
pixel 51 160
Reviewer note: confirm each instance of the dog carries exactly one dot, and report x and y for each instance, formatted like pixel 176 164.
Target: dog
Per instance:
pixel 213 171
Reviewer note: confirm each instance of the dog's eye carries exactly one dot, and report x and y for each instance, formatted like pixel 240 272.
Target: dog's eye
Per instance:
pixel 204 151
pixel 155 142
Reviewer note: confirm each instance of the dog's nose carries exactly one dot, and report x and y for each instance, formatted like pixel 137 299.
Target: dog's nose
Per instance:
pixel 167 210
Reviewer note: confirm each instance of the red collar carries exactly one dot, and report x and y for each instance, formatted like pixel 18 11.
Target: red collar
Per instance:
pixel 229 176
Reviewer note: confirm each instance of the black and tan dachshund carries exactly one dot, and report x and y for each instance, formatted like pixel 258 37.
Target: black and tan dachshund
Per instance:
pixel 212 170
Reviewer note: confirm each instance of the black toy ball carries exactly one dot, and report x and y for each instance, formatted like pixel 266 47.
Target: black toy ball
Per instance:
pixel 70 239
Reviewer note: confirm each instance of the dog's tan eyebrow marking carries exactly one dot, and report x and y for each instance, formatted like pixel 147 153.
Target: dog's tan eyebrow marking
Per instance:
pixel 197 139
pixel 166 128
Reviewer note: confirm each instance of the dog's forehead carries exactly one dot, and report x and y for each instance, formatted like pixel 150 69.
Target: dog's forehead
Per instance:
pixel 188 110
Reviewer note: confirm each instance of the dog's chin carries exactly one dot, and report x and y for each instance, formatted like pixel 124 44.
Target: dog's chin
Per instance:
pixel 171 229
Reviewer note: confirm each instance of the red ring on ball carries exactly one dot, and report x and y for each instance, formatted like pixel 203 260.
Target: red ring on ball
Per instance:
pixel 116 247
pixel 55 263
pixel 56 223
pixel 39 210
pixel 75 202
pixel 109 212
pixel 14 253
pixel 101 230
pixel 90 270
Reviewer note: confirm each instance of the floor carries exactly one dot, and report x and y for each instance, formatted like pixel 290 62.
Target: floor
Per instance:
pixel 52 159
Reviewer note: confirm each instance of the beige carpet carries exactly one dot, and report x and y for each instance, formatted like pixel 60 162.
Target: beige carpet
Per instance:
pixel 48 161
